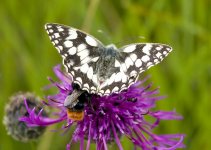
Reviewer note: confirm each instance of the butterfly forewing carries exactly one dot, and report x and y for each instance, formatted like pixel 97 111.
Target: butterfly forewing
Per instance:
pixel 131 61
pixel 80 53
pixel 139 57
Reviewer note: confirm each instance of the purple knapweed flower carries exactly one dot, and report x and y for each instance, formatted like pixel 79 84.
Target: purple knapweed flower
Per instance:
pixel 14 109
pixel 108 118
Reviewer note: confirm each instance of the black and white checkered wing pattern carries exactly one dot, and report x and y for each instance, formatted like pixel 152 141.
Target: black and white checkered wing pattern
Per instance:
pixel 80 52
pixel 137 58
pixel 132 60
pixel 83 57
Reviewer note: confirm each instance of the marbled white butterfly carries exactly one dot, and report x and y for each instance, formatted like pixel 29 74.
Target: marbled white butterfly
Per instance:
pixel 100 69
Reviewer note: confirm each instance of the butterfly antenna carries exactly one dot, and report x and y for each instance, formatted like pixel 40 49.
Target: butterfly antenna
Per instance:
pixel 130 39
pixel 105 35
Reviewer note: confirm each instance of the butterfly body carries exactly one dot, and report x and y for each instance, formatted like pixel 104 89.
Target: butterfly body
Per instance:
pixel 100 69
pixel 105 64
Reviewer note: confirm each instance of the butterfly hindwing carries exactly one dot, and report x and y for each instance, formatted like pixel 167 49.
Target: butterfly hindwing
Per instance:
pixel 120 82
pixel 79 51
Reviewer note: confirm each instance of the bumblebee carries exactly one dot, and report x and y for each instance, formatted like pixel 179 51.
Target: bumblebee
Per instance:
pixel 75 103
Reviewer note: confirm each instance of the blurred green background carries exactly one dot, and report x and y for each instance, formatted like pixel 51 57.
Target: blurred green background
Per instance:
pixel 27 56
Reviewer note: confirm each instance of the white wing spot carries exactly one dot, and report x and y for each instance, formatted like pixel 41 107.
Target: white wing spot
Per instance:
pixel 158 55
pixel 145 58
pixel 71 62
pixel 60 29
pixel 86 86
pixel 138 63
pixel 93 88
pixel 83 54
pixel 95 59
pixel 133 73
pixel 56 35
pixel 133 57
pixel 123 86
pixel 168 49
pixel 94 79
pixel 60 47
pixel 68 65
pixel 100 92
pixel 107 91
pixel 117 64
pixel 72 73
pixel 128 62
pixel 118 77
pixel 124 78
pixel 129 49
pixel 68 43
pixel 81 47
pixel 111 79
pixel 90 73
pixel 72 35
pixel 84 68
pixel 164 52
pixel 85 60
pixel 48 26
pixel 56 41
pixel 72 51
pixel 123 68
pixel 156 61
pixel 115 89
pixel 159 48
pixel 50 30
pixel 147 48
pixel 79 79
pixel 91 41
pixel 149 64
pixel 65 54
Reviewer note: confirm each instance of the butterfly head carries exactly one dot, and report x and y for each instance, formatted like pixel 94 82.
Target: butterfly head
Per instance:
pixel 111 46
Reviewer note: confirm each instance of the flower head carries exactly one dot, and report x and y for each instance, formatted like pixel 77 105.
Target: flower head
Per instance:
pixel 108 118
pixel 15 109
